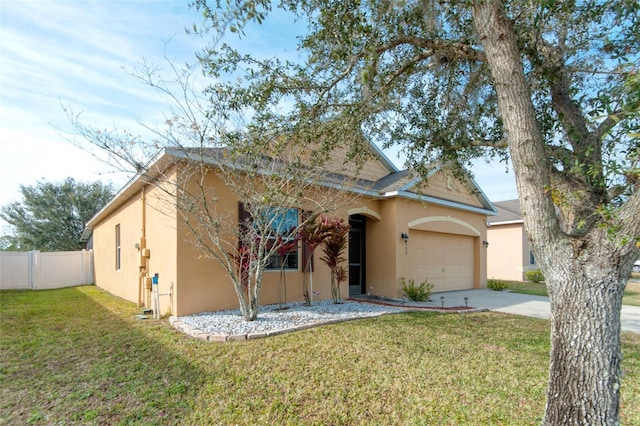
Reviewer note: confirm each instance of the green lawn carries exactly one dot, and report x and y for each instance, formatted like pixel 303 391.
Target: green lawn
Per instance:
pixel 79 356
pixel 528 287
pixel 631 293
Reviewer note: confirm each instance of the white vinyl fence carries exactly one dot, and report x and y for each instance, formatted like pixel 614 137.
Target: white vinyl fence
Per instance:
pixel 37 271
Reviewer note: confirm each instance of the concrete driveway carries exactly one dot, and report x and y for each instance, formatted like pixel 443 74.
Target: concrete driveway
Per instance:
pixel 519 304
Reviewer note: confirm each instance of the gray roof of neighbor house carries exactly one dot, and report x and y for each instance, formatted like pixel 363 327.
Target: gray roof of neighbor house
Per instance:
pixel 508 212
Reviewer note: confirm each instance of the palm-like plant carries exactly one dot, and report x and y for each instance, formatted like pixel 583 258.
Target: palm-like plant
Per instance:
pixel 312 235
pixel 334 245
pixel 340 276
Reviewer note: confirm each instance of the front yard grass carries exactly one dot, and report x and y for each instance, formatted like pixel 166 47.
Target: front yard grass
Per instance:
pixel 528 287
pixel 79 356
pixel 631 293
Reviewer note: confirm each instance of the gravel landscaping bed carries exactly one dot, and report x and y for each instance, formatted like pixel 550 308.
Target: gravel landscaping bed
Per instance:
pixel 271 319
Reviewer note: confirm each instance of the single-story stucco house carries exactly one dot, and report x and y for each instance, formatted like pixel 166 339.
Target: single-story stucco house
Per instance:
pixel 435 232
pixel 509 256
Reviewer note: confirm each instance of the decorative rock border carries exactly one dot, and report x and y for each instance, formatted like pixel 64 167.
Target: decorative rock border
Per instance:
pixel 220 337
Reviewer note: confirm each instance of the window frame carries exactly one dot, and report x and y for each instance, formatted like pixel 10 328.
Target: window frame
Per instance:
pixel 118 247
pixel 273 262
pixel 246 221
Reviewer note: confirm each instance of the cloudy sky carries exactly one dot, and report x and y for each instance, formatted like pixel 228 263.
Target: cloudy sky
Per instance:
pixel 78 53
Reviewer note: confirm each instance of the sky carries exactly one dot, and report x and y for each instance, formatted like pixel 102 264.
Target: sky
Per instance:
pixel 79 54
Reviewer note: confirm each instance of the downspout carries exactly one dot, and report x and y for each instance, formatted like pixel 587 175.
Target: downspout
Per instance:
pixel 144 260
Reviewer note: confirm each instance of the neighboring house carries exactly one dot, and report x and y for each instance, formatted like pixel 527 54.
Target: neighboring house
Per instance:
pixel 508 255
pixel 135 237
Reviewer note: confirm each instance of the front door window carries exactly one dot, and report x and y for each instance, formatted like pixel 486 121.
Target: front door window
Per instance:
pixel 357 255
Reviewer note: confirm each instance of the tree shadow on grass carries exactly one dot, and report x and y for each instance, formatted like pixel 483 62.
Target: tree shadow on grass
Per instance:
pixel 79 355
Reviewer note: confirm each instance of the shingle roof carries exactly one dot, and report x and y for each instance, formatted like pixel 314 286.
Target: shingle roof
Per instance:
pixel 508 211
pixel 393 181
pixel 396 183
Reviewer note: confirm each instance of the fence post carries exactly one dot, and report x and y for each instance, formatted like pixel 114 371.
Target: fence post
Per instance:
pixel 30 262
pixel 35 270
pixel 92 267
pixel 30 269
pixel 84 271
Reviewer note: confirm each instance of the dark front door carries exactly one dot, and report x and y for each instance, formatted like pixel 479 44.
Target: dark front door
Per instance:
pixel 357 254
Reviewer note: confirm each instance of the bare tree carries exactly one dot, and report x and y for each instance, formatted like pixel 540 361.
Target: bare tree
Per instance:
pixel 276 178
pixel 279 196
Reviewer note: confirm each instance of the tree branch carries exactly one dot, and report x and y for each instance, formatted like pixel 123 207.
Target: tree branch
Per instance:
pixel 454 49
pixel 609 123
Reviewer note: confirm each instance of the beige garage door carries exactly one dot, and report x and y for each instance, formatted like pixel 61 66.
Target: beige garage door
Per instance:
pixel 446 260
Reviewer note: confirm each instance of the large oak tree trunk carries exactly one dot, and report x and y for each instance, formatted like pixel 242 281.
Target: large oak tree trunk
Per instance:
pixel 584 281
pixel 584 369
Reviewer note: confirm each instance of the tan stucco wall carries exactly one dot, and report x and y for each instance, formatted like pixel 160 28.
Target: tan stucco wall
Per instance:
pixel 445 186
pixel 381 250
pixel 161 239
pixel 123 282
pixel 508 252
pixel 387 260
pixel 450 221
pixel 371 169
pixel 204 284
pixel 200 283
pixel 158 219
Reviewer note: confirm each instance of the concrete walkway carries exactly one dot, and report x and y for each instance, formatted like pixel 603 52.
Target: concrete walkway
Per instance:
pixel 515 303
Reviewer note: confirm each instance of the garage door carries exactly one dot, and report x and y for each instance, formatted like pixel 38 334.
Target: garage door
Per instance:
pixel 445 260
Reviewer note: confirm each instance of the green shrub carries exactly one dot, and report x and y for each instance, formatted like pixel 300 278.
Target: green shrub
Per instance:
pixel 417 293
pixel 497 285
pixel 535 276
